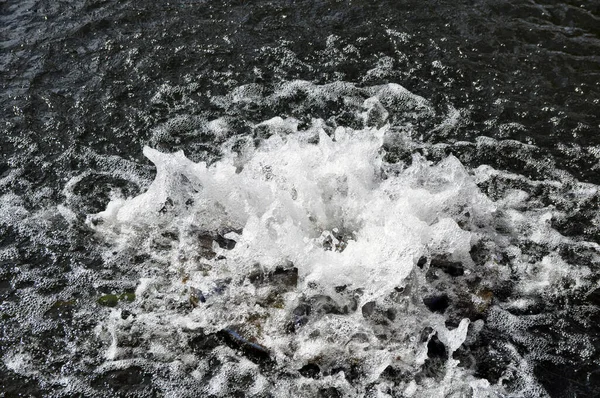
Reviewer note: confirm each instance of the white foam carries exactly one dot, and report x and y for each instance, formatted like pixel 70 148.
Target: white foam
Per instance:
pixel 289 192
pixel 345 219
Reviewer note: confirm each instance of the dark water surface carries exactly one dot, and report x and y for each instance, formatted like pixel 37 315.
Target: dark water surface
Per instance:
pixel 85 85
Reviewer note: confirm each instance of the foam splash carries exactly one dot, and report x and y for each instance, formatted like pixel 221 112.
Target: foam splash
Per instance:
pixel 321 265
pixel 330 209
pixel 289 194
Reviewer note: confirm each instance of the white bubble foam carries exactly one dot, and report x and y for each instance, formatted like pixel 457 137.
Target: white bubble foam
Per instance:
pixel 324 202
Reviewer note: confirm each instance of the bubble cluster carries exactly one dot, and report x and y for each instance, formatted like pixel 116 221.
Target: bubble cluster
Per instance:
pixel 305 263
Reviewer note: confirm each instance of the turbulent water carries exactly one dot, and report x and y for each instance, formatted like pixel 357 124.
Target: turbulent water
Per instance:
pixel 300 199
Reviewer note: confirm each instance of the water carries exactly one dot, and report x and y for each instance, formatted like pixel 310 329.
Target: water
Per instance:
pixel 299 199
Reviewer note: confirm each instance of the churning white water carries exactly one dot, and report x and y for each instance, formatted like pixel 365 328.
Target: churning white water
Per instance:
pixel 303 262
